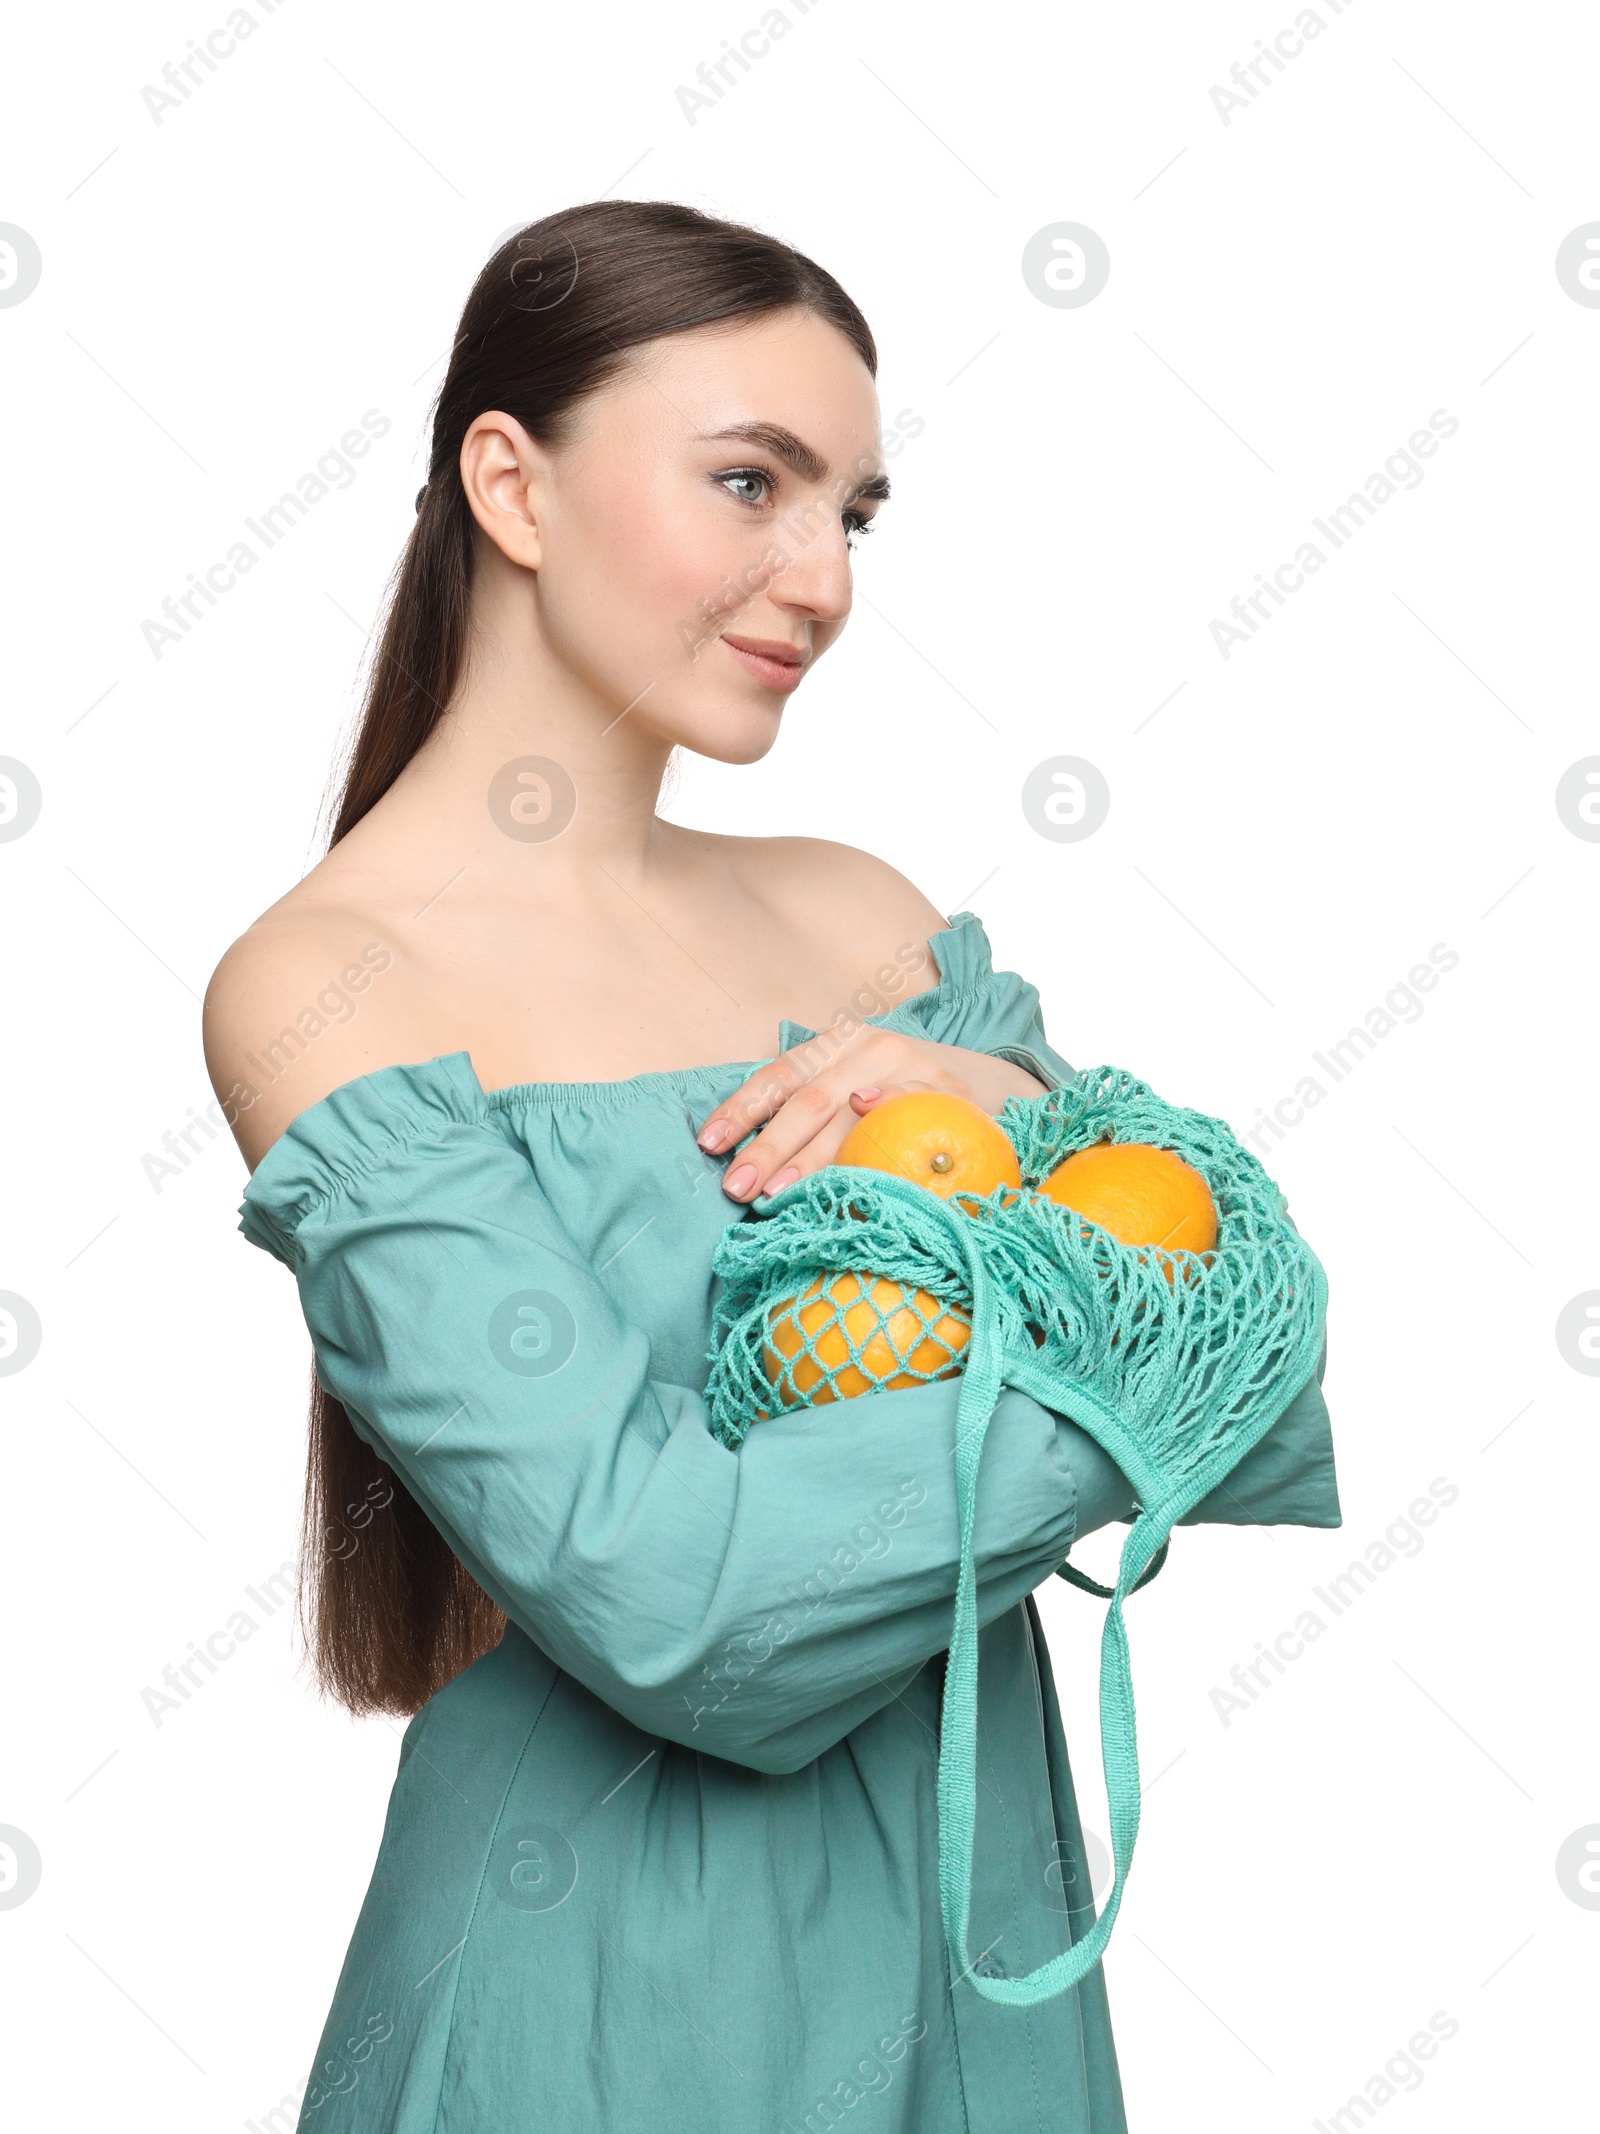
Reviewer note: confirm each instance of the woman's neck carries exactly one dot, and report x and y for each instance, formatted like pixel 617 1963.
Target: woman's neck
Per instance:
pixel 530 829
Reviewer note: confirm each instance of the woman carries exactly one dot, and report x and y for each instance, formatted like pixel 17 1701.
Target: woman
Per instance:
pixel 661 1849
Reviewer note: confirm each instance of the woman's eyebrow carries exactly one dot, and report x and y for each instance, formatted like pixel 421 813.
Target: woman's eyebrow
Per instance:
pixel 792 450
pixel 795 453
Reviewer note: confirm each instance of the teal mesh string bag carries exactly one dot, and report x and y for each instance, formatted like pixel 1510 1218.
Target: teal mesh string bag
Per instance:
pixel 1176 1379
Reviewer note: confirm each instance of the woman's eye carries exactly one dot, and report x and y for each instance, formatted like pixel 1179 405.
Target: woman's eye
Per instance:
pixel 855 523
pixel 746 484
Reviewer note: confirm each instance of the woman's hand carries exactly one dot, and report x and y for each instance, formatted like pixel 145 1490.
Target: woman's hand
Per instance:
pixel 811 1108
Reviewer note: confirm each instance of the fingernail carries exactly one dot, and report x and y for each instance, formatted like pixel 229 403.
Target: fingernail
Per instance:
pixel 741 1181
pixel 873 1092
pixel 713 1136
pixel 786 1176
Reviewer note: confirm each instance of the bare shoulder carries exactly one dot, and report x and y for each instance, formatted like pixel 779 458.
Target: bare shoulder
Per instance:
pixel 294 1009
pixel 870 913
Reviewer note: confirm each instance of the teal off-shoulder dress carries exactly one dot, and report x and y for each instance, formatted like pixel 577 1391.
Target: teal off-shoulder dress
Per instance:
pixel 665 1861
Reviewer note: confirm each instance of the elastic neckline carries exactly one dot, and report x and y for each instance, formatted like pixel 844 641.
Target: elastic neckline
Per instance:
pixel 350 1130
pixel 518 1095
pixel 514 1094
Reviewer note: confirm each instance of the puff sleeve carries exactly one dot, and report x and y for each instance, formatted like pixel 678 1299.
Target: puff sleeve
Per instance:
pixel 754 1605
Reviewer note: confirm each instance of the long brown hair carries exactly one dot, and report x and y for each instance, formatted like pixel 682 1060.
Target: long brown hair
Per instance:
pixel 388 1613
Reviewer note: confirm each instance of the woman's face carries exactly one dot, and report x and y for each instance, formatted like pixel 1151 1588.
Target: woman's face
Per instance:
pixel 690 539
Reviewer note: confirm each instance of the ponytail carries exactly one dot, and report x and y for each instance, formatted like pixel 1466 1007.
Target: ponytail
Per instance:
pixel 388 1613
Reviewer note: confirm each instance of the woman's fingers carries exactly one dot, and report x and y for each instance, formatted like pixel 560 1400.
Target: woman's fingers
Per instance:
pixel 824 1146
pixel 801 1139
pixel 810 1103
pixel 760 1096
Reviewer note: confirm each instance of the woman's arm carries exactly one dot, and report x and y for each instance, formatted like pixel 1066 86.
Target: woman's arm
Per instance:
pixel 756 1605
pixel 1287 1479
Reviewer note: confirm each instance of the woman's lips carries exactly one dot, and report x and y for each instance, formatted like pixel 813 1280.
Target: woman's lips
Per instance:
pixel 777 665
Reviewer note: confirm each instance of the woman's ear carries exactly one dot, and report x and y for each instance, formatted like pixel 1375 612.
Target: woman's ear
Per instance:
pixel 505 475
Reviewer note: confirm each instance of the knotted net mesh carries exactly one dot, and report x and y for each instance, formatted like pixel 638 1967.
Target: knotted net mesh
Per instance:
pixel 856 1280
pixel 1177 1363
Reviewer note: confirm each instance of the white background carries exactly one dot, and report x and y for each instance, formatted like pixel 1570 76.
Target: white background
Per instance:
pixel 1374 771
